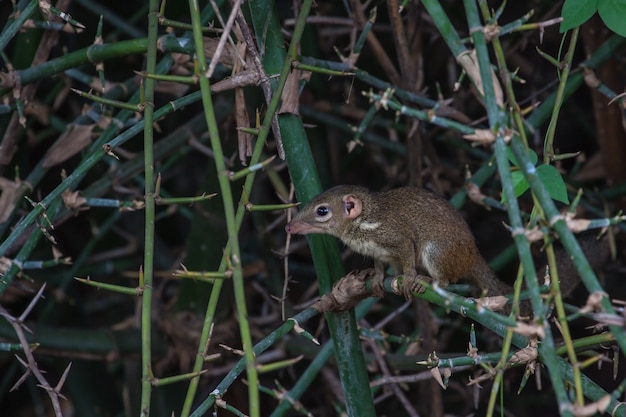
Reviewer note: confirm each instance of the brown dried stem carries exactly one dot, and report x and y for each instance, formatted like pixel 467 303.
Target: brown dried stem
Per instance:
pixel 31 365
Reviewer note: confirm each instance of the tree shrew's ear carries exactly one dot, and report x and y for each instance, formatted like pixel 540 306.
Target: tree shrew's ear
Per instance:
pixel 352 206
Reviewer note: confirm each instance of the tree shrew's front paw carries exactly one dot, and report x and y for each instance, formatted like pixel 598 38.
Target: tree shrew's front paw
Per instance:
pixel 413 284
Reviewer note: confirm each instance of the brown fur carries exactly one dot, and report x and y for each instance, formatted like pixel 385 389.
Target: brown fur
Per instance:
pixel 411 229
pixel 418 233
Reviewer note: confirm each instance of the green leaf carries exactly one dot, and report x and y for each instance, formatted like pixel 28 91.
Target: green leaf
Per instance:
pixel 520 185
pixel 613 13
pixel 531 154
pixel 577 12
pixel 553 181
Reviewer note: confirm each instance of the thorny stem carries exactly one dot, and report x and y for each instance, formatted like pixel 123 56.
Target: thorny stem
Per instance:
pixel 18 326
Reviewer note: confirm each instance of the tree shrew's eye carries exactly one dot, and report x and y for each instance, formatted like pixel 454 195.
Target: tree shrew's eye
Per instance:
pixel 322 211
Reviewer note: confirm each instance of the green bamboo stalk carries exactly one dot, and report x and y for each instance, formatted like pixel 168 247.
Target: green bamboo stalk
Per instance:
pixel 30 244
pixel 91 160
pixel 99 66
pixel 38 173
pixel 567 238
pixel 338 123
pixel 41 264
pixel 494 113
pixel 234 176
pixel 95 342
pixel 507 81
pixel 546 348
pixel 63 15
pixel 564 325
pixel 548 142
pixel 516 25
pixel 444 26
pixel 365 123
pixel 47 309
pixel 183 200
pixel 324 71
pixel 107 102
pixel 259 348
pixel 270 207
pixel 148 263
pixel 78 58
pixel 593 391
pixel 232 251
pixel 215 292
pixel 512 102
pixel 316 365
pixel 388 100
pixel 600 55
pixel 263 132
pixel 15 347
pixel 111 287
pixel 132 167
pixel 535 119
pixel 325 252
pixel 505 355
pixel 496 121
pixel 377 83
pixel 328 267
pixel 14 26
pixel 159 382
pixel 96 53
pixel 203 276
